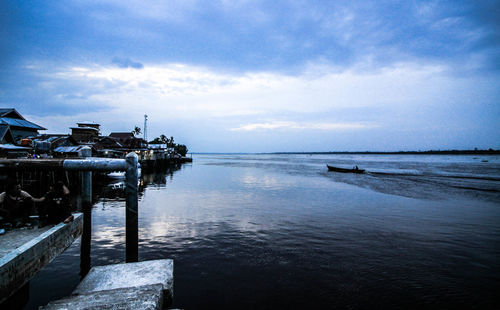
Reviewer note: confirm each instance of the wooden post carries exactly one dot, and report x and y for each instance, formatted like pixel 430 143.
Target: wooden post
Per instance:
pixel 86 197
pixel 86 179
pixel 131 214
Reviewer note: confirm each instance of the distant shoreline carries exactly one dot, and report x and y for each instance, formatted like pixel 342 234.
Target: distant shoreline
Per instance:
pixel 430 152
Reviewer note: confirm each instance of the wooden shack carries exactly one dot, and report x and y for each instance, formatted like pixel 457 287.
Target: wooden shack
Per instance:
pixel 86 132
pixel 19 126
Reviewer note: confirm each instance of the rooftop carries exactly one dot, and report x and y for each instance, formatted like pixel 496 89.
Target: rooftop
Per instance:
pixel 16 122
pixel 122 135
pixel 11 117
pixel 84 128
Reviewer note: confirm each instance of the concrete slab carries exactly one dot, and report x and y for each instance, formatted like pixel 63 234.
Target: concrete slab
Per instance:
pixel 17 237
pixel 130 275
pixel 19 265
pixel 148 297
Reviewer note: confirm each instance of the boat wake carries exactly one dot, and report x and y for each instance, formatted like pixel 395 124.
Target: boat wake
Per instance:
pixel 412 173
pixel 425 184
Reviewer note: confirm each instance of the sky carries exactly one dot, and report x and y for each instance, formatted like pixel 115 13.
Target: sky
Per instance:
pixel 260 76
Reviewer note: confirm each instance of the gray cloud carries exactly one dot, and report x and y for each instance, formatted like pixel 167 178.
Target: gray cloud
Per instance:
pixel 268 38
pixel 256 35
pixel 126 63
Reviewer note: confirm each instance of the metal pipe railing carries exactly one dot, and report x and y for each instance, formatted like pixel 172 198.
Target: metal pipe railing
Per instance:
pixel 86 165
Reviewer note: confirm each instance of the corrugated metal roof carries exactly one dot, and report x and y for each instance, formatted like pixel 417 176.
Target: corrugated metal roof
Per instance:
pixel 69 149
pixel 5 111
pixel 12 112
pixel 20 123
pixel 85 128
pixel 88 122
pixel 12 147
pixel 6 134
pixel 122 135
pixel 51 139
pixel 3 130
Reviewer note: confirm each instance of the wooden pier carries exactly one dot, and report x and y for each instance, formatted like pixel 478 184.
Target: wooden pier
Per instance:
pixel 144 285
pixel 24 252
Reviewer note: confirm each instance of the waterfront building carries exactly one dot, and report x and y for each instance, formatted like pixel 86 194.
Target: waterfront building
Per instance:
pixel 128 140
pixel 47 143
pixel 7 144
pixel 86 132
pixel 19 126
pixel 106 142
pixel 6 135
pixel 70 151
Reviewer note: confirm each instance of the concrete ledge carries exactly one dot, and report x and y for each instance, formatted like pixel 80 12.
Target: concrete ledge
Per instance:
pixel 147 297
pixel 21 264
pixel 17 237
pixel 130 275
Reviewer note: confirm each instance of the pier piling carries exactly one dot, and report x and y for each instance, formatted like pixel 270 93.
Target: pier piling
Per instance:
pixel 131 213
pixel 86 200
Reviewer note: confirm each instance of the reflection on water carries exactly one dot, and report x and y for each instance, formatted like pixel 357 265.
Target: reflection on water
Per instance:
pixel 279 231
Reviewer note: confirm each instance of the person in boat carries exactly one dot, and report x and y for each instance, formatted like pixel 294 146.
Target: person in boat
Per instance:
pixel 56 205
pixel 356 168
pixel 16 205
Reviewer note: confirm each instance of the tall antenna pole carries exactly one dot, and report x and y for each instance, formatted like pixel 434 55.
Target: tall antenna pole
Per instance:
pixel 145 127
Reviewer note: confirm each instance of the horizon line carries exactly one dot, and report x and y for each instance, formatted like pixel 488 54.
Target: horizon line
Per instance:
pixel 444 152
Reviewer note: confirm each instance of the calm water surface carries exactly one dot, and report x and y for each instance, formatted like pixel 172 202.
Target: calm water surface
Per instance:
pixel 280 231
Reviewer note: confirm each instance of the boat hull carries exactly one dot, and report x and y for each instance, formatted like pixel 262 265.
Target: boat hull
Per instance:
pixel 344 170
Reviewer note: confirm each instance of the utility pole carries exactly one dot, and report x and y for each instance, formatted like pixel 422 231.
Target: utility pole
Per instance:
pixel 145 127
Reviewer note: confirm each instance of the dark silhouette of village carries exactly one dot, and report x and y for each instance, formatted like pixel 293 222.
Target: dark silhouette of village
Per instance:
pixel 20 138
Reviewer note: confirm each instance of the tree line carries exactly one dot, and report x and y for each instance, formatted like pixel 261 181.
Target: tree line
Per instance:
pixel 162 139
pixel 178 148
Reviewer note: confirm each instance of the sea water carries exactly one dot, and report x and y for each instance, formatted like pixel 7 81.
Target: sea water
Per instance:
pixel 279 231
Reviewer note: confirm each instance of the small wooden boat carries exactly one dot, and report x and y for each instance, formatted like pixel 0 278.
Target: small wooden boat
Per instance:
pixel 121 174
pixel 116 175
pixel 345 170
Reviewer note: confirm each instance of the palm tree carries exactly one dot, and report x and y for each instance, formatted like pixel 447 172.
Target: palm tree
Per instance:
pixel 163 139
pixel 136 131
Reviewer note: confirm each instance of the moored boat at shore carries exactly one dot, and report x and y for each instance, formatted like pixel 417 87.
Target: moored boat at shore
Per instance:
pixel 121 174
pixel 345 170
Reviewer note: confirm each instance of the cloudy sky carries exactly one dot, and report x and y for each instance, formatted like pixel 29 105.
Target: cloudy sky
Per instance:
pixel 260 76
